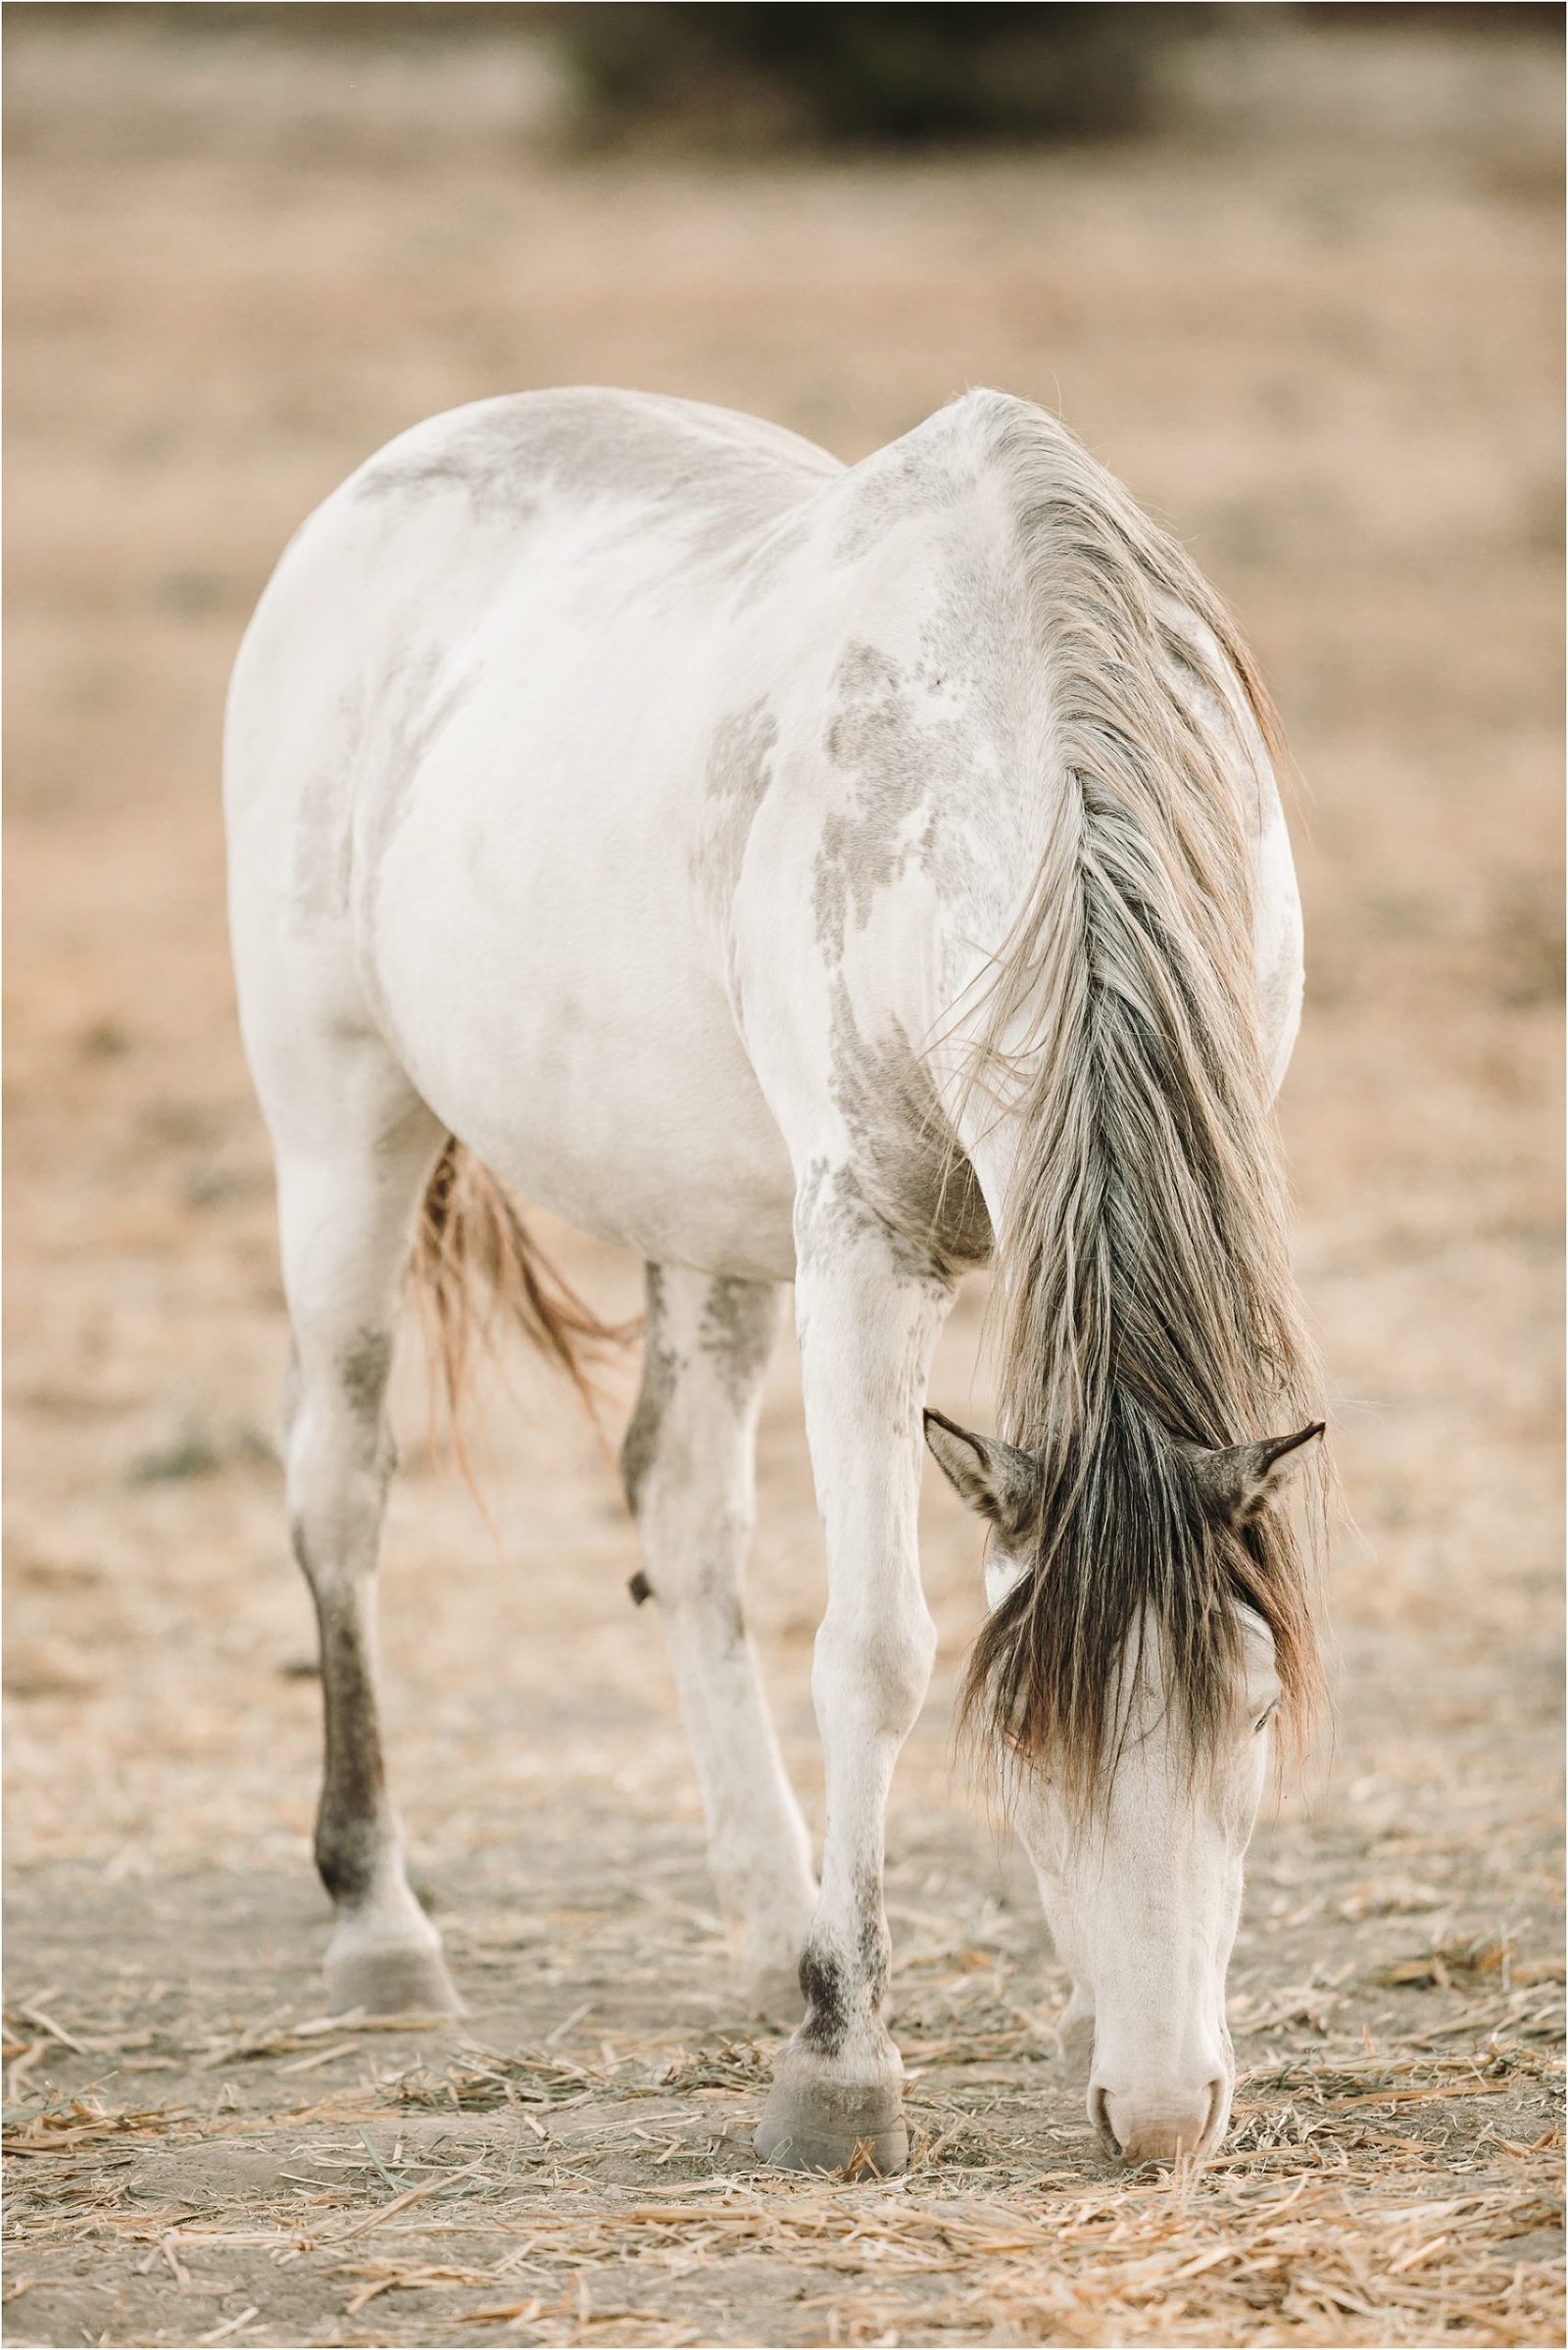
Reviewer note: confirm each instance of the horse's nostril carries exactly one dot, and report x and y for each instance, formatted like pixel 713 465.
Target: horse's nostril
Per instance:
pixel 1100 2115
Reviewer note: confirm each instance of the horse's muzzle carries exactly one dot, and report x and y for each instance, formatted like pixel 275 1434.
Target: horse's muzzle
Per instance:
pixel 1161 2128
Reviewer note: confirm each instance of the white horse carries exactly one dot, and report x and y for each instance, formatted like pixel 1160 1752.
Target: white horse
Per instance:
pixel 840 877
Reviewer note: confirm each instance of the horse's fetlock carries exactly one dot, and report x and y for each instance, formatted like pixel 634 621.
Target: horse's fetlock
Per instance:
pixel 844 2002
pixel 346 1853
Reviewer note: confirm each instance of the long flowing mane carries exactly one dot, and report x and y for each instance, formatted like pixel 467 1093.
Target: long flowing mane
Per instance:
pixel 1146 1295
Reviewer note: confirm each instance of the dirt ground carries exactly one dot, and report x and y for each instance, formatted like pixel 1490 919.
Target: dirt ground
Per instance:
pixel 1327 346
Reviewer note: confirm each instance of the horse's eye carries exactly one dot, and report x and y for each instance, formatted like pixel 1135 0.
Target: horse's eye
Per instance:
pixel 1265 1716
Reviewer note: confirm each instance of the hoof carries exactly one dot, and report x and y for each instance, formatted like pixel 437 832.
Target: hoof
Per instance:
pixel 775 1993
pixel 854 2131
pixel 390 1982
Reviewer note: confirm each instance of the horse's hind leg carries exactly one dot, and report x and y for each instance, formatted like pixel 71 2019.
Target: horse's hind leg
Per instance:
pixel 688 1467
pixel 352 1164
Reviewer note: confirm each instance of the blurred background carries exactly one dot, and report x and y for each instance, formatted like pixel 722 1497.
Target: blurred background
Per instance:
pixel 1295 274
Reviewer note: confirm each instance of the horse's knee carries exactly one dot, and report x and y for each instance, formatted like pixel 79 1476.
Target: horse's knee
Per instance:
pixel 877 1665
pixel 334 1523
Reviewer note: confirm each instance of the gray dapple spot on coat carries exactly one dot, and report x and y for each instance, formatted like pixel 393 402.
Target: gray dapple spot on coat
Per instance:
pixel 927 473
pixel 977 644
pixel 661 1367
pixel 362 1372
pixel 496 489
pixel 737 1331
pixel 835 1212
pixel 504 454
pixel 424 699
pixel 754 564
pixel 738 774
pixel 716 1595
pixel 905 1156
pixel 746 535
pixel 897 764
pixel 420 702
pixel 324 827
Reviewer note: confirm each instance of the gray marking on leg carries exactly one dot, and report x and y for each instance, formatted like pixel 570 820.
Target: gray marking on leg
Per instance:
pixel 362 1371
pixel 660 1370
pixel 827 2013
pixel 737 1331
pixel 833 1987
pixel 717 1594
pixel 352 1777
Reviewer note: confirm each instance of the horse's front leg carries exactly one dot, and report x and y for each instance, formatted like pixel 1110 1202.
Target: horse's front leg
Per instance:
pixel 869 1316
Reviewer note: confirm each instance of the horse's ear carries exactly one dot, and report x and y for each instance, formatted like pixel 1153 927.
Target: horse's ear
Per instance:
pixel 1237 1483
pixel 996 1478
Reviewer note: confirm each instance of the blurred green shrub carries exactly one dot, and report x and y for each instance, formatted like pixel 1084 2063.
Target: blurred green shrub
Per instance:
pixel 893 71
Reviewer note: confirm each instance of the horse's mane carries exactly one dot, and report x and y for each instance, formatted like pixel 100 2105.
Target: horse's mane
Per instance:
pixel 1146 1297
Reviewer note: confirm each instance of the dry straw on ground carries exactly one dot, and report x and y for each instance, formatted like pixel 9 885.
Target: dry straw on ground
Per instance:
pixel 1325 341
pixel 466 2185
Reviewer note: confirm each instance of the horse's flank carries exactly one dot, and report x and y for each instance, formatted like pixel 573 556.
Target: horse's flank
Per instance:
pixel 1146 1297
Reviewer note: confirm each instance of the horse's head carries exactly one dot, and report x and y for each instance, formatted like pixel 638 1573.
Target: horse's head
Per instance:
pixel 1140 1863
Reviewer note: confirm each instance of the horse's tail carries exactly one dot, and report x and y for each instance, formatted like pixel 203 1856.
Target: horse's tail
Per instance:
pixel 1147 1300
pixel 475 1269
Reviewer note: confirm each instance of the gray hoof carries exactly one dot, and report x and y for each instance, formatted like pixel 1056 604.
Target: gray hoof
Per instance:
pixel 852 2132
pixel 391 1982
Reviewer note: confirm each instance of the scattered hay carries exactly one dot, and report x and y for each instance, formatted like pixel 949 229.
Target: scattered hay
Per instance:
pixel 85 2122
pixel 484 2077
pixel 1327 2220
